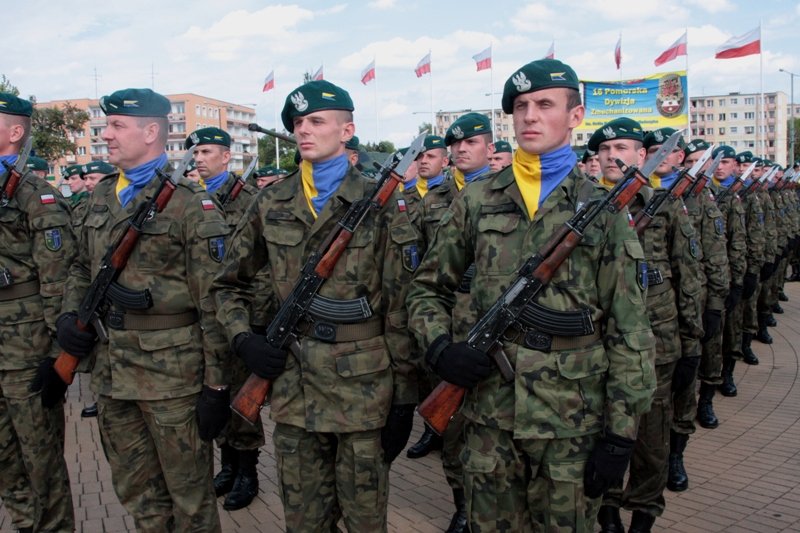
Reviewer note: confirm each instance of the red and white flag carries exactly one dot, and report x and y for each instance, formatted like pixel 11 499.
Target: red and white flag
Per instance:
pixel 269 82
pixel 368 74
pixel 618 52
pixel 551 52
pixel 678 48
pixel 318 75
pixel 483 60
pixel 424 66
pixel 743 45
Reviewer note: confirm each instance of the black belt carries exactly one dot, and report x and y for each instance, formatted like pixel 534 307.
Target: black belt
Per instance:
pixel 122 320
pixel 16 291
pixel 654 277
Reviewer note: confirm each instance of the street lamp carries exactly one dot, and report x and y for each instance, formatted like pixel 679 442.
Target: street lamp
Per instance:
pixel 791 115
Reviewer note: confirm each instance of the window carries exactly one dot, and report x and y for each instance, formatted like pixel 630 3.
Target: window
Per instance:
pixel 749 130
pixel 96 112
pixel 751 144
pixel 722 116
pixel 749 115
pixel 772 129
pixel 734 116
pixel 734 129
pixel 749 101
pixel 81 150
pixel 772 114
pixel 710 116
pixel 722 131
pixel 580 136
pixel 734 101
pixel 771 99
pixel 722 102
pixel 79 134
pixel 178 107
pixel 709 131
pixel 99 149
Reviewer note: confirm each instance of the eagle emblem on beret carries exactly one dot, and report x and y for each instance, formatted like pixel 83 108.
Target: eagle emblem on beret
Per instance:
pixel 658 136
pixel 521 82
pixel 299 101
pixel 609 132
pixel 195 139
pixel 85 169
pixel 691 147
pixel 458 133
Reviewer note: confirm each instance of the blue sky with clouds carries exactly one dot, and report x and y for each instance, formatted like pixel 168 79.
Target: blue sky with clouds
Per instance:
pixel 225 49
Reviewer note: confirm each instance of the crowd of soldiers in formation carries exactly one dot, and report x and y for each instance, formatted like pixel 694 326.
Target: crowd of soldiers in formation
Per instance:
pixel 623 348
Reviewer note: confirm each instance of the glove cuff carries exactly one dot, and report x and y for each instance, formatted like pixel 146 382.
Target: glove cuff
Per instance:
pixel 617 444
pixel 239 339
pixel 436 348
pixel 69 315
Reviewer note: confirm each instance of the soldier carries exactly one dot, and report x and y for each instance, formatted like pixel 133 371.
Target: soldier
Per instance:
pixel 351 147
pixel 191 172
pixel 540 452
pixel 79 198
pixel 95 171
pixel 36 249
pixel 709 226
pixel 38 166
pixel 268 175
pixel 343 402
pixel 160 383
pixel 240 441
pixel 501 157
pixel 673 306
pixel 743 274
pixel 592 164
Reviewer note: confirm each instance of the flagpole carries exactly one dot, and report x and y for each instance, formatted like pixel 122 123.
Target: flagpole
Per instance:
pixel 688 98
pixel 377 118
pixel 433 118
pixel 761 90
pixel 275 116
pixel 491 89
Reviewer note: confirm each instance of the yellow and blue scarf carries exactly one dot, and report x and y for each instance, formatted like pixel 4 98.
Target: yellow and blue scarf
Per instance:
pixel 606 183
pixel 665 182
pixel 462 179
pixel 320 180
pixel 133 180
pixel 538 175
pixel 10 159
pixel 214 183
pixel 425 185
pixel 727 182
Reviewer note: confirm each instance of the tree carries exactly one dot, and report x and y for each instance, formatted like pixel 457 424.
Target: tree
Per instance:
pixel 7 87
pixel 425 126
pixel 796 139
pixel 387 147
pixel 53 127
pixel 266 153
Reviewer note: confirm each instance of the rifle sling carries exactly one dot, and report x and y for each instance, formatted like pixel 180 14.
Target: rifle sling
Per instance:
pixel 19 290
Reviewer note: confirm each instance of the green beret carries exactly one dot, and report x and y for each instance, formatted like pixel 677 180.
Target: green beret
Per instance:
pixel 535 76
pixel 99 167
pixel 744 157
pixel 467 126
pixel 726 151
pixel 432 142
pixel 312 97
pixel 14 105
pixel 660 136
pixel 37 163
pixel 297 157
pixel 263 172
pixel 208 136
pixel 353 143
pixel 758 161
pixel 72 170
pixel 502 146
pixel 697 145
pixel 619 128
pixel 136 103
pixel 192 165
pixel 587 154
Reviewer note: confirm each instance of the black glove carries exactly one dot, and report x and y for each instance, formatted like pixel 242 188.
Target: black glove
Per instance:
pixel 259 356
pixel 749 285
pixel 685 372
pixel 47 380
pixel 712 318
pixel 767 270
pixel 607 464
pixel 71 338
pixel 457 363
pixel 394 435
pixel 733 298
pixel 213 412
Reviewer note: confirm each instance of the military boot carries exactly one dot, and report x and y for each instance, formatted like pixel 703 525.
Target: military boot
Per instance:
pixel 428 442
pixel 705 410
pixel 90 411
pixel 769 321
pixel 728 387
pixel 763 335
pixel 782 296
pixel 641 522
pixel 245 487
pixel 609 519
pixel 678 480
pixel 459 522
pixel 223 481
pixel 776 307
pixel 748 355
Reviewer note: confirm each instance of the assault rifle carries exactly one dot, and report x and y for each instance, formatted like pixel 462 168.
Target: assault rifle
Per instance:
pixel 255 127
pixel 13 175
pixel 755 184
pixel 487 334
pixel 676 191
pixel 703 177
pixel 236 187
pixel 736 185
pixel 319 267
pixel 94 302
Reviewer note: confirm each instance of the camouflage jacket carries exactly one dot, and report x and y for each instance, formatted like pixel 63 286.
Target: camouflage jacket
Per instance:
pixel 37 246
pixel 784 223
pixel 561 393
pixel 78 203
pixel 754 234
pixel 732 209
pixel 674 307
pixel 175 258
pixel 434 206
pixel 334 386
pixel 709 226
pixel 774 237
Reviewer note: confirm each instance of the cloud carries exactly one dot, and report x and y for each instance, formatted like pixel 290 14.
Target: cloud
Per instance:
pixel 713 6
pixel 534 18
pixel 382 4
pixel 338 8
pixel 664 11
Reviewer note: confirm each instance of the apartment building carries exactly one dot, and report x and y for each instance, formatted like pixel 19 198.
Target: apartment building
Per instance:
pixel 503 124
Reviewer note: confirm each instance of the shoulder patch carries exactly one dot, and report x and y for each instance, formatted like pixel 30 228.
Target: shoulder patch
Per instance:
pixel 401 205
pixel 207 204
pixel 52 239
pixel 216 248
pixel 47 199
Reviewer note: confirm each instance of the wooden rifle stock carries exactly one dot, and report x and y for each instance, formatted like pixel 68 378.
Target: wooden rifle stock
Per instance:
pixel 248 401
pixel 441 405
pixel 66 363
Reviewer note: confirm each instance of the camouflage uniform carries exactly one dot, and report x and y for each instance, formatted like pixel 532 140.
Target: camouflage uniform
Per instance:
pixel 79 202
pixel 674 306
pixel 784 220
pixel 793 221
pixel 333 398
pixel 148 377
pixel 562 399
pixel 775 239
pixel 36 248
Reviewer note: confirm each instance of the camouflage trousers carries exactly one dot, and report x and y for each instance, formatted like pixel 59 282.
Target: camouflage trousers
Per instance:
pixel 160 468
pixel 525 485
pixel 34 482
pixel 710 369
pixel 322 476
pixel 768 294
pixel 452 449
pixel 240 434
pixel 732 331
pixel 750 311
pixel 684 406
pixel 650 461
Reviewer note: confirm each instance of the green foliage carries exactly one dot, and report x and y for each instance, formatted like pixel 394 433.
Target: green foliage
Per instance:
pixel 52 128
pixel 266 153
pixel 387 147
pixel 7 87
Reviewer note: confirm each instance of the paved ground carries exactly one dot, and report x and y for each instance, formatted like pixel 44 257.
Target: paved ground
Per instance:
pixel 745 475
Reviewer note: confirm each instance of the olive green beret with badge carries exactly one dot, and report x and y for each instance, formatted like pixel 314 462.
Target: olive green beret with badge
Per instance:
pixel 502 147
pixel 467 126
pixel 586 155
pixel 99 167
pixel 353 143
pixel 263 172
pixel 535 76
pixel 37 163
pixel 14 105
pixel 660 136
pixel 432 142
pixel 311 97
pixel 136 103
pixel 697 145
pixel 619 128
pixel 192 165
pixel 726 151
pixel 209 135
pixel 744 157
pixel 72 170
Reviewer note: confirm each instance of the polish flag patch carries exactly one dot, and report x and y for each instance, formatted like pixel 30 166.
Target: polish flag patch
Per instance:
pixel 47 199
pixel 207 205
pixel 631 223
pixel 401 205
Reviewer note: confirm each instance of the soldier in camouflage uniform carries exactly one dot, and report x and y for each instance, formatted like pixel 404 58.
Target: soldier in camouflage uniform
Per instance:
pixel 501 156
pixel 672 252
pixel 790 200
pixel 709 225
pixel 80 196
pixel 240 441
pixel 759 314
pixel 36 248
pixel 541 450
pixel 343 402
pixel 162 393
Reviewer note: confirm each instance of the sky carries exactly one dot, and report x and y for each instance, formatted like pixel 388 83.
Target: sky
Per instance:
pixel 225 49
